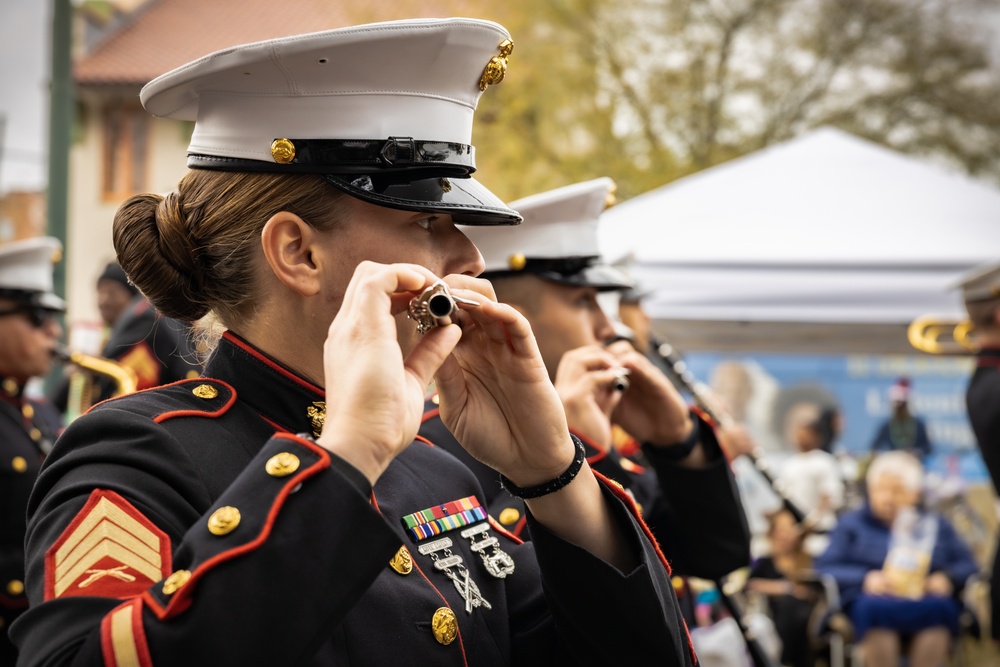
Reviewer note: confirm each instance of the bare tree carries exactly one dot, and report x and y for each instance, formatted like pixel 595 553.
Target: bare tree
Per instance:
pixel 650 90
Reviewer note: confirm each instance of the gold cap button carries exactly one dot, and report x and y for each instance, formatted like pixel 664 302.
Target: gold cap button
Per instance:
pixel 223 520
pixel 205 391
pixel 282 465
pixel 18 464
pixel 15 587
pixel 402 562
pixel 509 515
pixel 175 581
pixel 28 411
pixel 444 625
pixel 283 151
pixel 517 262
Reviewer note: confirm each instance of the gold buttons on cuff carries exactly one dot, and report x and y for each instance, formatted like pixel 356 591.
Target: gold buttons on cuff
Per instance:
pixel 509 515
pixel 205 391
pixel 175 581
pixel 282 465
pixel 15 587
pixel 444 625
pixel 402 562
pixel 18 464
pixel 223 520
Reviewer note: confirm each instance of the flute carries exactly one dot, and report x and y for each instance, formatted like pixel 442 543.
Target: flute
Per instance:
pixel 702 397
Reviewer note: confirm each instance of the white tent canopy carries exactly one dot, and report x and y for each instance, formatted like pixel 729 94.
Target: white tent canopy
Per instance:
pixel 827 232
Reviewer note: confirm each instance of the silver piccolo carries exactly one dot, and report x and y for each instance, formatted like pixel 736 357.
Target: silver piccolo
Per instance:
pixel 435 307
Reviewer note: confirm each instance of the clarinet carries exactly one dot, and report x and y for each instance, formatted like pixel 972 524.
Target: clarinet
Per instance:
pixel 684 379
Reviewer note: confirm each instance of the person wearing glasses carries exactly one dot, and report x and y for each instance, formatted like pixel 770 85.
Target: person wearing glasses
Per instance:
pixel 29 332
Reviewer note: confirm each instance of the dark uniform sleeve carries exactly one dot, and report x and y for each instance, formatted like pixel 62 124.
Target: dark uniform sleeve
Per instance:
pixel 706 533
pixel 589 598
pixel 254 548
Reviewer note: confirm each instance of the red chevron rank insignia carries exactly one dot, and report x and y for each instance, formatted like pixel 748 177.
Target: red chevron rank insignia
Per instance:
pixel 109 549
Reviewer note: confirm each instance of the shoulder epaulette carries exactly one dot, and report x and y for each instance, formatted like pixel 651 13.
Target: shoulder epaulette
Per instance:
pixel 195 397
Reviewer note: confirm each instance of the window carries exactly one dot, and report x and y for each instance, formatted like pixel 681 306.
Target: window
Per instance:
pixel 126 141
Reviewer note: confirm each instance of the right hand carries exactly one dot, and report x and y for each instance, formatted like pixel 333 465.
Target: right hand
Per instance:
pixel 876 583
pixel 375 396
pixel 584 382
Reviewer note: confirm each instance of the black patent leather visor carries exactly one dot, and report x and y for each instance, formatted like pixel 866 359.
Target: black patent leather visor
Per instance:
pixel 573 271
pixel 466 200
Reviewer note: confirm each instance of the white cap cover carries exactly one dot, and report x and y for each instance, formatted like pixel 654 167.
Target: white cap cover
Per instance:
pixel 375 108
pixel 557 240
pixel 26 269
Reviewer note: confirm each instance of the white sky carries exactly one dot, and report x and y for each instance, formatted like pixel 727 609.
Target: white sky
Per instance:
pixel 24 65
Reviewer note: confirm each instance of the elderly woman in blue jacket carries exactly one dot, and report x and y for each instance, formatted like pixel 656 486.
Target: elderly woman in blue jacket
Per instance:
pixel 888 615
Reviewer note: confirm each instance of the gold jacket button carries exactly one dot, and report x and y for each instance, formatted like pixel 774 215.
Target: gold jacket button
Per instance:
pixel 28 411
pixel 18 464
pixel 402 562
pixel 509 515
pixel 282 465
pixel 175 581
pixel 205 391
pixel 444 625
pixel 223 520
pixel 15 587
pixel 35 434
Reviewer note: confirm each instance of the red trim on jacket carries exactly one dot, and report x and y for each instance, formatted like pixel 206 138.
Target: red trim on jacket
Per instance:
pixel 630 504
pixel 256 354
pixel 497 526
pixel 430 414
pixel 184 596
pixel 164 416
pixel 138 632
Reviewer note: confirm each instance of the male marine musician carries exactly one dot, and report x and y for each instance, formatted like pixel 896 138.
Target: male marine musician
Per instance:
pixel 29 333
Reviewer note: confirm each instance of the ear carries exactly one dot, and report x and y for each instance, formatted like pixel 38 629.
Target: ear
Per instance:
pixel 288 243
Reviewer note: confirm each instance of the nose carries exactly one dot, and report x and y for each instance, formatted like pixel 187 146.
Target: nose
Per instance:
pixel 467 260
pixel 53 329
pixel 604 330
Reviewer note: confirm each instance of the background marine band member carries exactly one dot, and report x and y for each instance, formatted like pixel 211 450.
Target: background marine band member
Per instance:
pixel 549 269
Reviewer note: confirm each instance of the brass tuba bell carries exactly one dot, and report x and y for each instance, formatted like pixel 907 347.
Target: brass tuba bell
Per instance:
pixel 940 335
pixel 82 385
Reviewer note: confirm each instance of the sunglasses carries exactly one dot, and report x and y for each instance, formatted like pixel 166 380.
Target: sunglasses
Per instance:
pixel 39 316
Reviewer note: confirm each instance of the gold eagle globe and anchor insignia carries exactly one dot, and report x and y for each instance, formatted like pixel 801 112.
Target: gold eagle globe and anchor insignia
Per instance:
pixel 283 151
pixel 317 415
pixel 496 68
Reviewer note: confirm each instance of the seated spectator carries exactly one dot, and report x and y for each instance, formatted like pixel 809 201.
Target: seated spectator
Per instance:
pixel 812 480
pixel 780 576
pixel 888 616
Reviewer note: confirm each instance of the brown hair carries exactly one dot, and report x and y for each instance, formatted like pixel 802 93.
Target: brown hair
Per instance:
pixel 196 250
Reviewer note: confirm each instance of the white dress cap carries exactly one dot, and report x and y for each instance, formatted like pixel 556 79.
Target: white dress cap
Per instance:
pixel 26 270
pixel 981 283
pixel 375 108
pixel 557 240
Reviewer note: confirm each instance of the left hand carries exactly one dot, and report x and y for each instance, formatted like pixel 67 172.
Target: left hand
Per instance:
pixel 938 583
pixel 652 410
pixel 496 397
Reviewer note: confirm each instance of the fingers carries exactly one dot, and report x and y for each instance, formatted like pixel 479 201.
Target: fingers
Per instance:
pixel 431 352
pixel 374 290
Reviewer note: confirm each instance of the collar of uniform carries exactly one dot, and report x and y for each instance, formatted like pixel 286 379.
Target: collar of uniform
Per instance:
pixel 274 391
